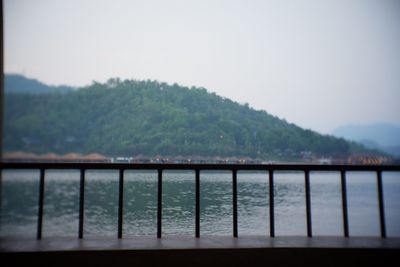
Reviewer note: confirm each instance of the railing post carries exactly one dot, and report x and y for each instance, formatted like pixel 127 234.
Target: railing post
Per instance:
pixel 308 203
pixel 197 203
pixel 271 204
pixel 159 204
pixel 120 202
pixel 1 80
pixel 1 195
pixel 344 203
pixel 81 202
pixel 234 202
pixel 381 204
pixel 40 207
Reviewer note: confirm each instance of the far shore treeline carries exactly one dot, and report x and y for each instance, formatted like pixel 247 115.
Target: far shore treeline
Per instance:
pixel 128 118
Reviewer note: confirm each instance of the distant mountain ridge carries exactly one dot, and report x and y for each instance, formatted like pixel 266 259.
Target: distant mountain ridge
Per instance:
pixel 383 136
pixel 16 83
pixel 149 118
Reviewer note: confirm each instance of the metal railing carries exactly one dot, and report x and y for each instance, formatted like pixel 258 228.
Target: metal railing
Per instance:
pixel 234 168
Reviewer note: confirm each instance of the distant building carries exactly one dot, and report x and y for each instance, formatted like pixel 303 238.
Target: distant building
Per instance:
pixel 324 161
pixel 122 160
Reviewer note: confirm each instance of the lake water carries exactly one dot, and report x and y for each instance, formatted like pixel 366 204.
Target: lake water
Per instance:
pixel 19 198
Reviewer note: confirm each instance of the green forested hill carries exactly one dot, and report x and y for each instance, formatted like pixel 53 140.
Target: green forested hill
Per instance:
pixel 151 118
pixel 16 83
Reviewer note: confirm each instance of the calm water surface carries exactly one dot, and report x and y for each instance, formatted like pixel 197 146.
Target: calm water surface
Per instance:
pixel 19 198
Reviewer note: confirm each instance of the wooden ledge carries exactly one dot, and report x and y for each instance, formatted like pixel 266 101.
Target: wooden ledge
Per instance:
pixel 188 242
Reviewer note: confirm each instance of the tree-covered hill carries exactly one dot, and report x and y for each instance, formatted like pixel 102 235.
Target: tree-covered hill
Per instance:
pixel 16 83
pixel 150 118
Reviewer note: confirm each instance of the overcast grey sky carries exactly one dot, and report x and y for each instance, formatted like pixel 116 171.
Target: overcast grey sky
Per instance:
pixel 318 64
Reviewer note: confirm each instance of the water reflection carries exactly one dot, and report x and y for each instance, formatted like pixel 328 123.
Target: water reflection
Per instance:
pixel 101 203
pixel 19 201
pixel 290 213
pixel 140 203
pixel 61 203
pixel 253 201
pixel 391 193
pixel 178 203
pixel 326 203
pixel 362 204
pixel 216 203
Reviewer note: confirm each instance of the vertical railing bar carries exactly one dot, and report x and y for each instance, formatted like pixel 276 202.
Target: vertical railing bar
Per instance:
pixel 381 204
pixel 120 202
pixel 234 202
pixel 197 203
pixel 344 203
pixel 1 195
pixel 81 202
pixel 271 204
pixel 159 204
pixel 40 207
pixel 308 203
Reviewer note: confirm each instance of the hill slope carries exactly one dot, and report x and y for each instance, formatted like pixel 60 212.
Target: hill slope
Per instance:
pixel 151 118
pixel 382 136
pixel 15 83
pixel 382 133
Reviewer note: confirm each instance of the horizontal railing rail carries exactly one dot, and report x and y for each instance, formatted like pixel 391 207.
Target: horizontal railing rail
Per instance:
pixel 234 168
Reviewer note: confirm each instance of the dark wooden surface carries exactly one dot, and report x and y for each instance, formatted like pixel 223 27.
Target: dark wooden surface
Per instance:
pixel 212 251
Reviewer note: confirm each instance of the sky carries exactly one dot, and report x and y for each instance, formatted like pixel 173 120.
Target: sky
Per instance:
pixel 317 63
